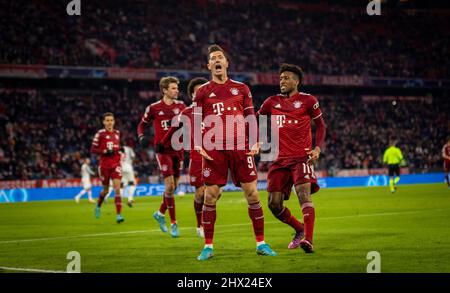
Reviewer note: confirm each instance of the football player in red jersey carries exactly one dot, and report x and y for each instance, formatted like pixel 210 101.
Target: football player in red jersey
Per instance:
pixel 294 165
pixel 222 99
pixel 195 160
pixel 446 157
pixel 170 161
pixel 106 144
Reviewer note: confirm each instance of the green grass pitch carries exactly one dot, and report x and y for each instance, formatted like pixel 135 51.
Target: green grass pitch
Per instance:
pixel 410 230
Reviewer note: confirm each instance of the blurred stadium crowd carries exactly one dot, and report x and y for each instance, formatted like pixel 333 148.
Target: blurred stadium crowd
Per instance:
pixel 259 35
pixel 44 133
pixel 47 133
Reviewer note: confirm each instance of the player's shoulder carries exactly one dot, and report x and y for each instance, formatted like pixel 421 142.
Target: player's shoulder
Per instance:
pixel 273 99
pixel 203 91
pixel 179 103
pixel 238 84
pixel 307 96
pixel 188 110
pixel 101 132
pixel 310 100
pixel 155 104
pixel 204 88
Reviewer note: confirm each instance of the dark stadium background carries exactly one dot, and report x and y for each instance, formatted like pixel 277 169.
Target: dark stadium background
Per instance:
pixel 358 66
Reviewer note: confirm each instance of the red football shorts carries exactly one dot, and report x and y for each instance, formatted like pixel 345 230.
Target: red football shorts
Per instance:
pixel 242 167
pixel 170 164
pixel 109 173
pixel 284 173
pixel 195 173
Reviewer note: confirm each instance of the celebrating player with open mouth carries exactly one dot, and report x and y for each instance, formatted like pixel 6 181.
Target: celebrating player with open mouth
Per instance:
pixel 293 112
pixel 223 98
pixel 170 162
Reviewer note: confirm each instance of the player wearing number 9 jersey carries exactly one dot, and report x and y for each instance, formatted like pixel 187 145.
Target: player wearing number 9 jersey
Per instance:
pixel 222 99
pixel 106 144
pixel 294 166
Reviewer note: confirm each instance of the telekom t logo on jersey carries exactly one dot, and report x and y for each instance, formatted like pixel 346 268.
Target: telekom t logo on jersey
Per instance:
pixel 281 120
pixel 218 108
pixel 165 124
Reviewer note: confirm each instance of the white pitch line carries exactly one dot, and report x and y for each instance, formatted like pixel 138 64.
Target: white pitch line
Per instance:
pixel 109 234
pixel 31 270
pixel 228 225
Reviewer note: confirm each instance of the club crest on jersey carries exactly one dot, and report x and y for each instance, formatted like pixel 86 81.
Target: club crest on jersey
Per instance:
pixel 161 113
pixel 117 137
pixel 176 111
pixel 193 178
pixel 297 104
pixel 107 137
pixel 234 91
pixel 164 168
pixel 206 172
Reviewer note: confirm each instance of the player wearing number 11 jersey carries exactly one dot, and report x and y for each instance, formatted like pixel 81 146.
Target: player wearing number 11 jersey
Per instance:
pixel 293 112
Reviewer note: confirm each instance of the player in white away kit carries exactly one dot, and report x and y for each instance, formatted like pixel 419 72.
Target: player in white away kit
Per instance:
pixel 86 173
pixel 128 178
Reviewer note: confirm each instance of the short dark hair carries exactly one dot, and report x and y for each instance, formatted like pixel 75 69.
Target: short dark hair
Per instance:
pixel 107 114
pixel 193 83
pixel 166 81
pixel 297 70
pixel 216 48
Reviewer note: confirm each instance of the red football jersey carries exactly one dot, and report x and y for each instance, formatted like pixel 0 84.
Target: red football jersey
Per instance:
pixel 162 115
pixel 232 99
pixel 446 151
pixel 188 112
pixel 107 140
pixel 293 117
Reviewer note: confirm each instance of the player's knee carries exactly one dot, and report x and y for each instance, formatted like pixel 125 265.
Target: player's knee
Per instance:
pixel 199 196
pixel 303 193
pixel 210 199
pixel 252 195
pixel 211 196
pixel 275 206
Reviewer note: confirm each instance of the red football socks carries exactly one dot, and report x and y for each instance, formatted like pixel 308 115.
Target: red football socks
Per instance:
pixel 163 207
pixel 309 216
pixel 170 203
pixel 198 207
pixel 256 214
pixel 118 202
pixel 286 217
pixel 209 219
pixel 100 199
